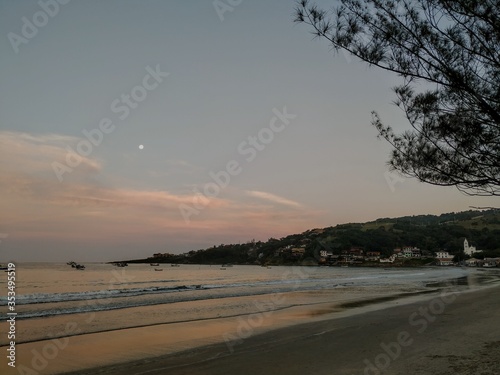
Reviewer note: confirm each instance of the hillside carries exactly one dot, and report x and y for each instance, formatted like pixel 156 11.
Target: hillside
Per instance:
pixel 428 232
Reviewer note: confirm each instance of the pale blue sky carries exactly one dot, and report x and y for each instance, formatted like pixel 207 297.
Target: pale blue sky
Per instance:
pixel 325 168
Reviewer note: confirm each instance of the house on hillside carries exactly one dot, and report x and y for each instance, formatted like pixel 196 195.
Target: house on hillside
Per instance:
pixel 443 254
pixel 407 253
pixel 445 261
pixel 356 253
pixel 473 262
pixel 297 252
pixel 353 254
pixel 325 253
pixel 410 252
pixel 443 258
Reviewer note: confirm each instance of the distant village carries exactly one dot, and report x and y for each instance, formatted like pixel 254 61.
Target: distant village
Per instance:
pixel 356 256
pixel 441 258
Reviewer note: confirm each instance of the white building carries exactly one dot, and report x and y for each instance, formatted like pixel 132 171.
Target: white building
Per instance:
pixel 469 250
pixel 445 261
pixel 325 253
pixel 407 252
pixel 443 255
pixel 443 258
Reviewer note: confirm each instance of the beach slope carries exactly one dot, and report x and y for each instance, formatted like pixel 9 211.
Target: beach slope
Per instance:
pixel 446 334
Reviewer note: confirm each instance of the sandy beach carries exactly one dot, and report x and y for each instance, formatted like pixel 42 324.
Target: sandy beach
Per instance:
pixel 452 333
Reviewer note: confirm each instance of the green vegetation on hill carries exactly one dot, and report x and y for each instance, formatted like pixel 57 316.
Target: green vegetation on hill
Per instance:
pixel 427 232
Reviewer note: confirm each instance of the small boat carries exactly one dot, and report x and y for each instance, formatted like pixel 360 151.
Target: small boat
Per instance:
pixel 158 269
pixel 175 265
pixel 223 268
pixel 154 264
pixel 80 267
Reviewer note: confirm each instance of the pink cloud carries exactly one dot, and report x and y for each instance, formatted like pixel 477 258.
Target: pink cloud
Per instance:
pixel 37 206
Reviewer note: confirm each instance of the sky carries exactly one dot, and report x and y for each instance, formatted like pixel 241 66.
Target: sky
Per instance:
pixel 134 127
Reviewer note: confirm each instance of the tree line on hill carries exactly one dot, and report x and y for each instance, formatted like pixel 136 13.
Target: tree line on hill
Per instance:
pixel 427 232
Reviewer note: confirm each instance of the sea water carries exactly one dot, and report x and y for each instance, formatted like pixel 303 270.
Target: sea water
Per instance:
pixel 48 289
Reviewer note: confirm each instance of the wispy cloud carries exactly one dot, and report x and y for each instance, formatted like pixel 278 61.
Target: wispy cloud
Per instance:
pixel 88 208
pixel 273 198
pixel 35 153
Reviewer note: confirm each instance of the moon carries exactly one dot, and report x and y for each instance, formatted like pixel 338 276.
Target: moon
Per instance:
pixel 141 147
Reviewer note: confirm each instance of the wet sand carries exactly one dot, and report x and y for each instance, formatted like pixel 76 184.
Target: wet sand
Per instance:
pixel 443 334
pixel 149 336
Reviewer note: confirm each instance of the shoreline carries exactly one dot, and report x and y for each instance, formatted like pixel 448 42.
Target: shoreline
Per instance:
pixel 352 344
pixel 173 337
pixel 343 305
pixel 179 308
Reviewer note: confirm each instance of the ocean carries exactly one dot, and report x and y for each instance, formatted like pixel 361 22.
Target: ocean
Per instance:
pixel 51 289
